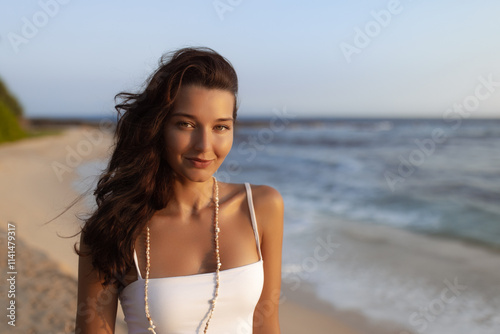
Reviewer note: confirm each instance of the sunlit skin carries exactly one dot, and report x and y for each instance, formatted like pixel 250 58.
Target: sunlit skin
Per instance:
pixel 199 127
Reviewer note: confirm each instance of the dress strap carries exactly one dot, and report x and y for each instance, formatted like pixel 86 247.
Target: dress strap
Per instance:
pixel 137 265
pixel 252 216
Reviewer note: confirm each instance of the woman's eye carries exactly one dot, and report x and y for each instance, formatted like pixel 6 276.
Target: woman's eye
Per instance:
pixel 222 127
pixel 184 124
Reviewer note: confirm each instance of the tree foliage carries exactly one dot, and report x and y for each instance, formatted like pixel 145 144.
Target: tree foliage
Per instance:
pixel 10 101
pixel 9 126
pixel 10 114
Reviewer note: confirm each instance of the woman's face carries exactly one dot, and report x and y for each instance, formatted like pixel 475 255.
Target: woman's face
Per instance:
pixel 199 132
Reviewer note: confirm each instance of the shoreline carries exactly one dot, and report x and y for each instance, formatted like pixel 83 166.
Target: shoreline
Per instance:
pixel 40 171
pixel 303 306
pixel 398 275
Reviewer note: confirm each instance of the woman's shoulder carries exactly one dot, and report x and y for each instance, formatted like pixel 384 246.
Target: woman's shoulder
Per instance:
pixel 268 204
pixel 261 194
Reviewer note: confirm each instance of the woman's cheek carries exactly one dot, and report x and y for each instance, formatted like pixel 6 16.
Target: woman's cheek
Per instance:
pixel 177 142
pixel 226 145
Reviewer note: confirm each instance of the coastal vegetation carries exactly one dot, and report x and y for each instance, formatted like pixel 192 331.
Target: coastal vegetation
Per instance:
pixel 11 116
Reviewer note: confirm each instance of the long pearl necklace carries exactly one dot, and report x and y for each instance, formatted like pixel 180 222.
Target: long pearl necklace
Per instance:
pixel 217 270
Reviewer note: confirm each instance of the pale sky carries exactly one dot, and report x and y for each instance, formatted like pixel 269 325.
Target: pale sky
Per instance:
pixel 315 58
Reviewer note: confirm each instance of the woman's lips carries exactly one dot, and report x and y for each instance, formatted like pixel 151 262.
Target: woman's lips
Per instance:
pixel 199 163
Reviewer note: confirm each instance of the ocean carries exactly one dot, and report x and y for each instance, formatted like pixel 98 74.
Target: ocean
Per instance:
pixel 396 218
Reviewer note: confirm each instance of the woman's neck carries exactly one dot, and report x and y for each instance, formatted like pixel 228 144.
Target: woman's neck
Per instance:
pixel 189 198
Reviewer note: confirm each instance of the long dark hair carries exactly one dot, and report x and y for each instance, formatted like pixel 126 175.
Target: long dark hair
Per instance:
pixel 138 180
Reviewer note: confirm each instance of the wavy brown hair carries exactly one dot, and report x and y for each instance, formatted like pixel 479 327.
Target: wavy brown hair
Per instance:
pixel 138 180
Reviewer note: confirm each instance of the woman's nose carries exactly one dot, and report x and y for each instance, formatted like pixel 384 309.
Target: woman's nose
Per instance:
pixel 202 139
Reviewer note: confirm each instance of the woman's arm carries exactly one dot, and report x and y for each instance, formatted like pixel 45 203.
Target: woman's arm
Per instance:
pixel 96 307
pixel 269 209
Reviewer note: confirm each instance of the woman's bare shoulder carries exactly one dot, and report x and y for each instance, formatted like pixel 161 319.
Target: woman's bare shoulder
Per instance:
pixel 265 198
pixel 264 194
pixel 268 204
pixel 261 194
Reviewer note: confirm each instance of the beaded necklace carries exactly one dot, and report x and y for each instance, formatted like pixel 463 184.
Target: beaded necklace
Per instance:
pixel 217 270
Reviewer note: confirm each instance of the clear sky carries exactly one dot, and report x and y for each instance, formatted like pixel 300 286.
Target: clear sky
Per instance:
pixel 408 58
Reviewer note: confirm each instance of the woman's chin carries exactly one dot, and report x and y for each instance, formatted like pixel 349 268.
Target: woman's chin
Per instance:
pixel 197 175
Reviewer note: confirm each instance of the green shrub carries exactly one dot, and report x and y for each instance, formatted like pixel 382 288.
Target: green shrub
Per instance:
pixel 10 101
pixel 9 126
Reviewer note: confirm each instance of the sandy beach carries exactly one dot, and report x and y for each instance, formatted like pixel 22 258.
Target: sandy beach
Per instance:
pixel 36 177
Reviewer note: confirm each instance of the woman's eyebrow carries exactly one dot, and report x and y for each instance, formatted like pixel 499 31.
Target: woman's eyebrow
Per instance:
pixel 183 115
pixel 224 119
pixel 193 117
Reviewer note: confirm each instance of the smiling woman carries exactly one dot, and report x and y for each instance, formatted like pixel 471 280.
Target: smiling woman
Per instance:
pixel 181 251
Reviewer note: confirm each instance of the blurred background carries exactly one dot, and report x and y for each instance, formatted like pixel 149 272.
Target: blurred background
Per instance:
pixel 378 121
pixel 323 58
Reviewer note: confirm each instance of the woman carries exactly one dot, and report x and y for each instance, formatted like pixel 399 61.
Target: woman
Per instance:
pixel 182 251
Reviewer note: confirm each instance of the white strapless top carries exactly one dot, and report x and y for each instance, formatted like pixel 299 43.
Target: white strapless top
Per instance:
pixel 181 304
